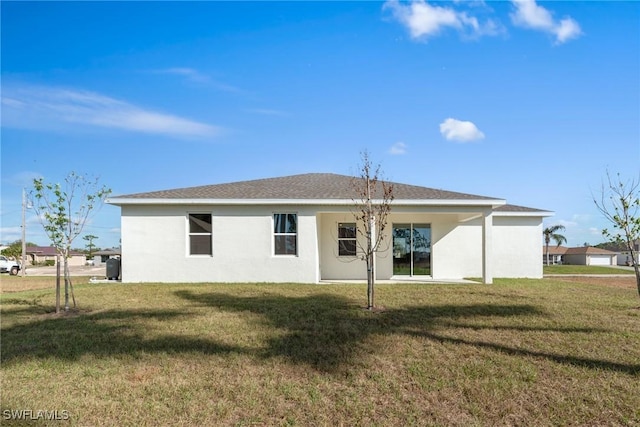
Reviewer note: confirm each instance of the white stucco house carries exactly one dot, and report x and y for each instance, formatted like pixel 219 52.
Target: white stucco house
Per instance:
pixel 301 229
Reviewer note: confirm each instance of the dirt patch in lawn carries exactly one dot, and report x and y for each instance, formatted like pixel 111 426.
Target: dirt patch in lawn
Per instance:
pixel 625 282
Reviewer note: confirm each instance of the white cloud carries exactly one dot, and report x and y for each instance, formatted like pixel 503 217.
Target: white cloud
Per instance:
pixel 595 231
pixel 458 130
pixel 41 107
pixel 267 112
pixel 567 223
pixel 579 228
pixel 22 179
pixel 529 14
pixel 10 231
pixel 189 73
pixel 398 148
pixel 194 76
pixel 424 20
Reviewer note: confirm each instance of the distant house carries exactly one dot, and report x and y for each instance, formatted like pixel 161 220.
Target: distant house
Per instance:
pixel 38 255
pixel 302 229
pixel 588 255
pixel 100 257
pixel 556 254
pixel 624 257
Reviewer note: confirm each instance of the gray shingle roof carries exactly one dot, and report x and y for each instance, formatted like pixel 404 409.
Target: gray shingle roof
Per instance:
pixel 516 208
pixel 589 250
pixel 300 187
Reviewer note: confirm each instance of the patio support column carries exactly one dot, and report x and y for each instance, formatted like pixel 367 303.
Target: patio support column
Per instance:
pixel 487 247
pixel 318 243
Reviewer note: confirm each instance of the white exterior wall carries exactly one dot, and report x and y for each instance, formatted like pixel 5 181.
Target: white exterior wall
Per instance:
pixel 625 258
pixel 155 246
pixel 575 259
pixel 332 266
pixel 516 246
pixel 456 249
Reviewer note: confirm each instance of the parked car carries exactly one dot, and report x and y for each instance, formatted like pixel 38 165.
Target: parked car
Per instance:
pixel 9 266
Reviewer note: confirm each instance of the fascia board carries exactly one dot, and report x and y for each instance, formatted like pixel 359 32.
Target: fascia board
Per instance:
pixel 533 213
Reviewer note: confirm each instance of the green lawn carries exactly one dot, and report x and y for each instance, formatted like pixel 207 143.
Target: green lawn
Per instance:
pixel 584 269
pixel 519 352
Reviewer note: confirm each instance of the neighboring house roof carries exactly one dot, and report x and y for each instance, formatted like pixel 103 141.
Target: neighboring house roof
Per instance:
pixel 47 251
pixel 554 250
pixel 308 188
pixel 588 250
pixel 107 252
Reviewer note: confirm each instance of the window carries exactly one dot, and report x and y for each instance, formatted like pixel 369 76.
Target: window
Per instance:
pixel 285 233
pixel 346 239
pixel 200 234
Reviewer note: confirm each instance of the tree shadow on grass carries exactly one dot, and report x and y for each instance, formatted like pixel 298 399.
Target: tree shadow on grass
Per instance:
pixel 558 358
pixel 103 334
pixel 326 332
pixel 329 333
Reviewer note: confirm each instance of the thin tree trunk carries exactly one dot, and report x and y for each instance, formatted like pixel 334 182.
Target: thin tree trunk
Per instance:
pixel 372 251
pixel 370 265
pixel 57 283
pixel 547 252
pixel 634 262
pixel 66 283
pixel 73 296
pixel 369 284
pixel 372 281
pixel 69 284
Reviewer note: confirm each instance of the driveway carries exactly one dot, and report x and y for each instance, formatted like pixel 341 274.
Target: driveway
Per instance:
pixel 76 270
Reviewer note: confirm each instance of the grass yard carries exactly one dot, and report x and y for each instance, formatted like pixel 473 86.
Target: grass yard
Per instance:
pixel 17 283
pixel 584 269
pixel 519 352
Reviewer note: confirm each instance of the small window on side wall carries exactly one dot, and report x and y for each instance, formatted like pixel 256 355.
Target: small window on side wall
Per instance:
pixel 285 233
pixel 200 234
pixel 347 239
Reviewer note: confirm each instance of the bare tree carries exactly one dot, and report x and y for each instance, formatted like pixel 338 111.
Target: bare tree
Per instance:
pixel 63 210
pixel 372 204
pixel 620 204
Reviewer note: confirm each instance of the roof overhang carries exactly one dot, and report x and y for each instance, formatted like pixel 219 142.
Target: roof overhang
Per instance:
pixel 486 203
pixel 536 213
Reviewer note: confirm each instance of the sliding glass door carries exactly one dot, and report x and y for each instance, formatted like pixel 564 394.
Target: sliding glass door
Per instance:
pixel 412 249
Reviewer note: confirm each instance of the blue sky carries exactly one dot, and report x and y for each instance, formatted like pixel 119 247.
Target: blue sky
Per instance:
pixel 530 102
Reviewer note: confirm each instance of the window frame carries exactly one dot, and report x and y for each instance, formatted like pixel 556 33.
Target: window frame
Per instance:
pixel 354 239
pixel 285 234
pixel 190 234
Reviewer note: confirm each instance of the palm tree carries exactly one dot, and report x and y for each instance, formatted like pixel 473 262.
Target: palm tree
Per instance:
pixel 552 233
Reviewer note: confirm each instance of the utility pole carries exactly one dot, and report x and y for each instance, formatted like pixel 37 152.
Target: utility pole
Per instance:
pixel 24 232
